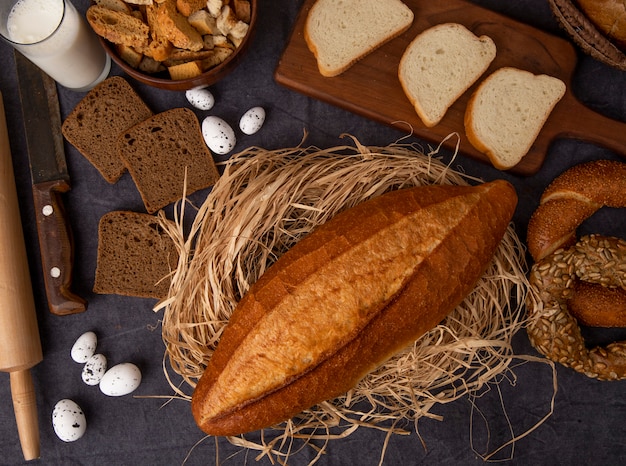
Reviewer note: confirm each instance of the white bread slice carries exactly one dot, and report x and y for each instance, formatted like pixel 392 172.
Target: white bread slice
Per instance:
pixel 439 65
pixel 506 112
pixel 339 33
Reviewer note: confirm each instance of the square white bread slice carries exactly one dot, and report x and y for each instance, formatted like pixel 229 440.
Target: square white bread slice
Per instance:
pixel 339 33
pixel 439 65
pixel 507 111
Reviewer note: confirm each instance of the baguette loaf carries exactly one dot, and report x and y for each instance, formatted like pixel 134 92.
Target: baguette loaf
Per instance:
pixel 609 16
pixel 359 289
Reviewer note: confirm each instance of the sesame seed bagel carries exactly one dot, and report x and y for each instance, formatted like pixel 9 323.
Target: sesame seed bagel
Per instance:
pixel 581 282
pixel 552 329
pixel 572 198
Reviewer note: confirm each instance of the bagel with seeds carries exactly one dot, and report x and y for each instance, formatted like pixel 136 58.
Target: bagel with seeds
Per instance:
pixel 582 282
pixel 572 198
pixel 552 329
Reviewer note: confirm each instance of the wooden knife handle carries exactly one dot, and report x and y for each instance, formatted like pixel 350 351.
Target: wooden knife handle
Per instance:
pixel 57 251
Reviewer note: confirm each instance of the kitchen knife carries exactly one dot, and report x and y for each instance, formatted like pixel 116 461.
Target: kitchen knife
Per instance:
pixel 42 127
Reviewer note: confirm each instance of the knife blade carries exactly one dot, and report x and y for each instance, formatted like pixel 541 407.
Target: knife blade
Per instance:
pixel 50 178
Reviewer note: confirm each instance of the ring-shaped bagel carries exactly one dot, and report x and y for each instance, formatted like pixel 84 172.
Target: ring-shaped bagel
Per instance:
pixel 552 330
pixel 570 199
pixel 563 291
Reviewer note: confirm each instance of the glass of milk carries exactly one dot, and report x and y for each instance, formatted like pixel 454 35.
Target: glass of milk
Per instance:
pixel 55 37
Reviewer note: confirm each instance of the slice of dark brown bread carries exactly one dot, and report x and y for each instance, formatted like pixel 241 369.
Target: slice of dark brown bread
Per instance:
pixel 93 126
pixel 135 256
pixel 158 150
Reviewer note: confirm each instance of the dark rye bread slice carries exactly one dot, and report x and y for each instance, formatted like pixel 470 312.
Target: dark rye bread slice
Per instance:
pixel 95 123
pixel 135 256
pixel 158 150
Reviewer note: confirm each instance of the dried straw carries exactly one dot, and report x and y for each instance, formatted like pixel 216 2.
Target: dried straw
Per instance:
pixel 264 202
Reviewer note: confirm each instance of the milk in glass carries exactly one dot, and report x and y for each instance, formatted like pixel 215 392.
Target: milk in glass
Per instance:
pixel 54 36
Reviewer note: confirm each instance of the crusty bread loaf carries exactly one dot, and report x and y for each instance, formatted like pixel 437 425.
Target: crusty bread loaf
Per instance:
pixel 341 33
pixel 343 300
pixel 506 112
pixel 439 65
pixel 157 152
pixel 609 16
pixel 94 124
pixel 135 256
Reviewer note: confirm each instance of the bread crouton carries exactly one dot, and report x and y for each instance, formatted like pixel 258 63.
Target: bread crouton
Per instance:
pixel 203 22
pixel 118 27
pixel 176 27
pixel 242 10
pixel 187 7
pixel 185 70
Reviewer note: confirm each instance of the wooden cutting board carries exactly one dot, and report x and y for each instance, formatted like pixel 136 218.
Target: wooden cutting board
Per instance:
pixel 371 88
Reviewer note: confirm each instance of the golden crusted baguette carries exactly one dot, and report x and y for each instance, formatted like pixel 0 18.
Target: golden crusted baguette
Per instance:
pixel 343 300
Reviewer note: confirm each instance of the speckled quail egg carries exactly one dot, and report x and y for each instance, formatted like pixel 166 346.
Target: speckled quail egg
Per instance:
pixel 84 347
pixel 68 420
pixel 252 120
pixel 94 369
pixel 201 98
pixel 120 380
pixel 218 135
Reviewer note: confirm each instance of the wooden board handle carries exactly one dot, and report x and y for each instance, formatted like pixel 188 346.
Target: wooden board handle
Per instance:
pixel 580 122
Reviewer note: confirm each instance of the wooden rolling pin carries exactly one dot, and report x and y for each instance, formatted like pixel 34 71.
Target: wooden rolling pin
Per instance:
pixel 20 345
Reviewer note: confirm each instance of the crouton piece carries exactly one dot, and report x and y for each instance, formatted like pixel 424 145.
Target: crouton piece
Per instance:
pixel 176 28
pixel 203 22
pixel 129 55
pixel 226 20
pixel 185 70
pixel 242 10
pixel 187 7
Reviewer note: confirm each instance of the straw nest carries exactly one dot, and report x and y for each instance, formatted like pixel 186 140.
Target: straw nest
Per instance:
pixel 265 201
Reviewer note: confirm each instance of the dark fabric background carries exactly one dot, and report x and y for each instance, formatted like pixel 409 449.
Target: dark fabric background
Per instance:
pixel 586 427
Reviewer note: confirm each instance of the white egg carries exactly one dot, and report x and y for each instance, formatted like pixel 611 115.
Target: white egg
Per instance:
pixel 94 369
pixel 252 120
pixel 201 98
pixel 68 420
pixel 120 380
pixel 84 347
pixel 218 135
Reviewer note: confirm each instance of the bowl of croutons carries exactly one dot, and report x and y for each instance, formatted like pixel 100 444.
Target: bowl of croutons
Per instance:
pixel 174 44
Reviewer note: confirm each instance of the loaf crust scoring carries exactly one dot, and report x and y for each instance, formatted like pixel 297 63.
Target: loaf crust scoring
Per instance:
pixel 346 298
